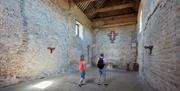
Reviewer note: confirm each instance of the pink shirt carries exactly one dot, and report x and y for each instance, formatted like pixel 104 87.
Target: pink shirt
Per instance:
pixel 82 66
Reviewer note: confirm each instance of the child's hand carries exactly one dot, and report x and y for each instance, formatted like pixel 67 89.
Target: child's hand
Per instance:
pixel 83 71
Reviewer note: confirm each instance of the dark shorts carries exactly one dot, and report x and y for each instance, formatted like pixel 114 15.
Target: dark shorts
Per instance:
pixel 82 74
pixel 102 72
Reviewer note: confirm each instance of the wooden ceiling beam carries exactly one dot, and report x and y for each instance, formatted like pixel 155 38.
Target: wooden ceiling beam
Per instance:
pixel 78 1
pixel 112 8
pixel 124 1
pixel 115 17
pixel 116 20
pixel 116 7
pixel 118 24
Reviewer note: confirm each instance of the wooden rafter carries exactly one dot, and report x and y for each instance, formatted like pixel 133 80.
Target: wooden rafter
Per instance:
pixel 116 7
pixel 124 1
pixel 120 12
pixel 116 20
pixel 77 1
pixel 92 11
pixel 115 17
pixel 112 8
pixel 118 24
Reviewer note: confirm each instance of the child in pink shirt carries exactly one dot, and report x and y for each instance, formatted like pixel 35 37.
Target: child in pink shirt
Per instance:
pixel 82 68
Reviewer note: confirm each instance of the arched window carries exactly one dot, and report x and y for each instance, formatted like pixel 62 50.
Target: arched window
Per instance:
pixel 79 30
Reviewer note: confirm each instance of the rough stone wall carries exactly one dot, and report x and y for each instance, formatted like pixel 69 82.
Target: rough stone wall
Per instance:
pixel 121 51
pixel 28 28
pixel 160 28
pixel 13 41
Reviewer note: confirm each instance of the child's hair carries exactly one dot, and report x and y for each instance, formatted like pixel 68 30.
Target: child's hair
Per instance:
pixel 82 57
pixel 102 55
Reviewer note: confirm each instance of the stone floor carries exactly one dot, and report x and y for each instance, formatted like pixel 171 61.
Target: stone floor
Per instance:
pixel 118 81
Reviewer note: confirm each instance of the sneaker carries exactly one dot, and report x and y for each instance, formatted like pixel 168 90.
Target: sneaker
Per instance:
pixel 105 84
pixel 83 84
pixel 99 83
pixel 79 85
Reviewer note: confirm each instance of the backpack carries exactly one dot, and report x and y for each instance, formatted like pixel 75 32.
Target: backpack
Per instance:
pixel 100 63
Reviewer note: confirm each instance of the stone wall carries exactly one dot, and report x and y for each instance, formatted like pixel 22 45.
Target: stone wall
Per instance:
pixel 159 25
pixel 121 51
pixel 28 28
pixel 13 41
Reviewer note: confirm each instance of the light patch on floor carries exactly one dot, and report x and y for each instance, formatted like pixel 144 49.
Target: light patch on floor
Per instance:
pixel 43 85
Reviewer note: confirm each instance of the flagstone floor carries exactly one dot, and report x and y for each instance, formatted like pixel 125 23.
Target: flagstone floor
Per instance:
pixel 117 80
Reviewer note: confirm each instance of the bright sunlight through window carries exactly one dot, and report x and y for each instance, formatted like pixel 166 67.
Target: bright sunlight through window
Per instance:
pixel 140 22
pixel 79 30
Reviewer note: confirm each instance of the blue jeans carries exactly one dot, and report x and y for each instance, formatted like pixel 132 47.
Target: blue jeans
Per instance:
pixel 82 74
pixel 102 72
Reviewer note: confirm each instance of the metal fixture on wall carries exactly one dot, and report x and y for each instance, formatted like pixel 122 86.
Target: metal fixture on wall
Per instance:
pixel 51 49
pixel 150 47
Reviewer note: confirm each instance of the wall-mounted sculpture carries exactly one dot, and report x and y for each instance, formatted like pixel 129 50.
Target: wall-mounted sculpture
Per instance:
pixel 112 35
pixel 51 49
pixel 150 47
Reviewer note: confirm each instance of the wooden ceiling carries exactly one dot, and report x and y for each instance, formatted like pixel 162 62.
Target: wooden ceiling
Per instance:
pixel 109 13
